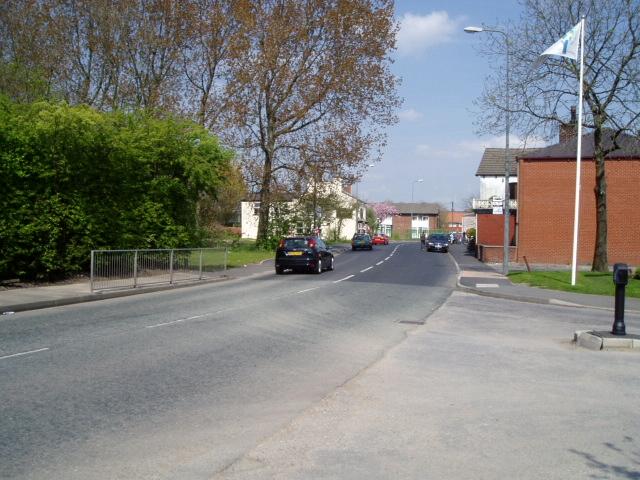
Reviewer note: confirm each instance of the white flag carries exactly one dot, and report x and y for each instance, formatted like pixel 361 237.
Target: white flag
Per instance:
pixel 567 46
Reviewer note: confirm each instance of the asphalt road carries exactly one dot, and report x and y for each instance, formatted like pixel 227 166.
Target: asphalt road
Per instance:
pixel 179 384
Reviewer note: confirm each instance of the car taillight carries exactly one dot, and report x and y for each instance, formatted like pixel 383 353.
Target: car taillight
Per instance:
pixel 281 243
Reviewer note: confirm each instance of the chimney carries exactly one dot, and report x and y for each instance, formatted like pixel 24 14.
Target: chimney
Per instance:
pixel 568 130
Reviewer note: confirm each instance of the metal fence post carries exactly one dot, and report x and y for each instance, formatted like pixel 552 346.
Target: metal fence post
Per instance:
pixel 171 266
pixel 135 269
pixel 92 263
pixel 226 255
pixel 201 264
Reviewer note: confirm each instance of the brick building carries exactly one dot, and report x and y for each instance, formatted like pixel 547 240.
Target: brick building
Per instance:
pixel 546 196
pixel 412 220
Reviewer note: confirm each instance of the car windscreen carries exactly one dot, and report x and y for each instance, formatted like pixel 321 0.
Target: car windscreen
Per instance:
pixel 438 238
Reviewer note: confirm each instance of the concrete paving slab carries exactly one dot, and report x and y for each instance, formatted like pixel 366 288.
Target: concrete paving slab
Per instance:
pixel 487 389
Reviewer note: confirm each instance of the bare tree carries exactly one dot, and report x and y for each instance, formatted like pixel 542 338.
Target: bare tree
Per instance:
pixel 314 82
pixel 91 32
pixel 540 98
pixel 153 31
pixel 211 43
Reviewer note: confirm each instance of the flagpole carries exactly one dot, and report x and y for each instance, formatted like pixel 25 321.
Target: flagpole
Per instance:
pixel 576 212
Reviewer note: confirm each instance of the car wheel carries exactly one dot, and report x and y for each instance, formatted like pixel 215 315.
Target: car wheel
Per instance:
pixel 370 247
pixel 331 264
pixel 279 270
pixel 318 269
pixel 353 248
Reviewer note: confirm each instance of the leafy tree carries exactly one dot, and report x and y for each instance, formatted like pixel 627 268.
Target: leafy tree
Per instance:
pixel 223 208
pixel 343 213
pixel 313 82
pixel 540 98
pixel 372 219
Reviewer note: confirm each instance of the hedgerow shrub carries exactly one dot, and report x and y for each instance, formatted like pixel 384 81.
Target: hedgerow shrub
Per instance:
pixel 75 179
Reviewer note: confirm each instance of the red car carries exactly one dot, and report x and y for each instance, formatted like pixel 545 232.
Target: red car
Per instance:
pixel 380 239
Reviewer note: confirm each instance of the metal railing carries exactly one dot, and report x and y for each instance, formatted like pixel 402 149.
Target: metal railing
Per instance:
pixel 112 269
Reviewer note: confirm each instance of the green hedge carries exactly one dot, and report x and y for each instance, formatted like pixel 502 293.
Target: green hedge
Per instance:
pixel 75 179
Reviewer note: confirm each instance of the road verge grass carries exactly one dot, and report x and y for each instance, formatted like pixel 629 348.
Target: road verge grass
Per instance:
pixel 594 283
pixel 246 252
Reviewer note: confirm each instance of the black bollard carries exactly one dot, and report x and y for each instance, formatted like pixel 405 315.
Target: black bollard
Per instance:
pixel 620 278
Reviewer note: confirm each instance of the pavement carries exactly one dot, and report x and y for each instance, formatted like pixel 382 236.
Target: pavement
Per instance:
pixel 485 279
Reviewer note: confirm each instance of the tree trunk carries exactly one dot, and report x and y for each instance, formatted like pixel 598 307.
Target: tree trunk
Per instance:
pixel 600 258
pixel 265 201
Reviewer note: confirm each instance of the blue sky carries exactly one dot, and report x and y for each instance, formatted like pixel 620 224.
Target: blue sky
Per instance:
pixel 442 74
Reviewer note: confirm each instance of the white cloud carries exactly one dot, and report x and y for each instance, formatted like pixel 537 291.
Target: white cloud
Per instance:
pixel 410 115
pixel 419 32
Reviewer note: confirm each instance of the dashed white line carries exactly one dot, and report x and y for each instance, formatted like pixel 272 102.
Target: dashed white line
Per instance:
pixel 308 290
pixel 343 279
pixel 388 257
pixel 380 262
pixel 24 353
pixel 369 268
pixel 174 321
pixel 487 285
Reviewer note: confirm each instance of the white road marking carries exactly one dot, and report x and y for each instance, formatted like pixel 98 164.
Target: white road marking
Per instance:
pixel 308 290
pixel 554 301
pixel 388 257
pixel 487 285
pixel 369 268
pixel 380 262
pixel 24 353
pixel 174 321
pixel 166 323
pixel 345 278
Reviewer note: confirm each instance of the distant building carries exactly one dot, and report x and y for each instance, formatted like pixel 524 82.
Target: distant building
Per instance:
pixel 412 220
pixel 250 211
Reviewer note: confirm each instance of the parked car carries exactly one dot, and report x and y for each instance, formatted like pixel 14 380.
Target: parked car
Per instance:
pixel 438 242
pixel 361 240
pixel 380 239
pixel 308 253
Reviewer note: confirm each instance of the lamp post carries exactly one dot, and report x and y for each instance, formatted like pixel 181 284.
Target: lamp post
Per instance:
pixel 419 180
pixel 358 200
pixel 507 161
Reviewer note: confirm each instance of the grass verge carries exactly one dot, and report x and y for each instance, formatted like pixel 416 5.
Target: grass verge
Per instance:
pixel 586 282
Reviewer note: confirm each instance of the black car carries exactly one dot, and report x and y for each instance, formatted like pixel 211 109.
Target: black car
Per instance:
pixel 438 242
pixel 303 253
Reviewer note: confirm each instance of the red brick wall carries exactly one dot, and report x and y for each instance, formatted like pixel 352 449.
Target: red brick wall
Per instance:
pixel 546 204
pixel 490 229
pixel 401 224
pixel 495 254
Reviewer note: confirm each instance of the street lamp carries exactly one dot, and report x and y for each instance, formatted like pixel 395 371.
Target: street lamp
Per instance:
pixel 420 180
pixel 358 200
pixel 507 162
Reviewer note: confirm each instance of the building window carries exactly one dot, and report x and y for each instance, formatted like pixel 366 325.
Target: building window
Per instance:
pixel 256 208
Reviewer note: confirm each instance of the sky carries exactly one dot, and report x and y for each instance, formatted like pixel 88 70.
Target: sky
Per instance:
pixel 442 74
